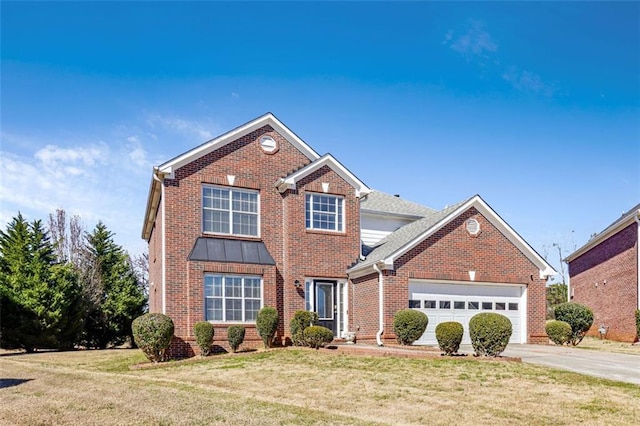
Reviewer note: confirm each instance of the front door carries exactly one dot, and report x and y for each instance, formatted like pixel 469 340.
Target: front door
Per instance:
pixel 326 304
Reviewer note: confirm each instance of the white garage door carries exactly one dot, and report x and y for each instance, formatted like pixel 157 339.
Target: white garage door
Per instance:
pixel 459 302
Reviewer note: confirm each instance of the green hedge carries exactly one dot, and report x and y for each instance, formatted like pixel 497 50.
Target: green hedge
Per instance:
pixel 409 325
pixel 558 331
pixel 203 330
pixel 300 321
pixel 152 333
pixel 449 336
pixel 317 336
pixel 235 336
pixel 579 317
pixel 267 324
pixel 638 323
pixel 490 333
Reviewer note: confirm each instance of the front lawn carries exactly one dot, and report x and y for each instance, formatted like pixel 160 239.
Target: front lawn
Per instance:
pixel 302 387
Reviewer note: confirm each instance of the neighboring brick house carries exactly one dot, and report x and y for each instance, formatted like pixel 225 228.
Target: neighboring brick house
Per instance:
pixel 255 217
pixel 603 274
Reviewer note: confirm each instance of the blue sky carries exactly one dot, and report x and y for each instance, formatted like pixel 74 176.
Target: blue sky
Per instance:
pixel 534 106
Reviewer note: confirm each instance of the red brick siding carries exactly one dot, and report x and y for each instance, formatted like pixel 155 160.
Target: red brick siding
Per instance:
pixel 297 253
pixel 451 252
pixel 155 264
pixel 364 312
pixel 614 303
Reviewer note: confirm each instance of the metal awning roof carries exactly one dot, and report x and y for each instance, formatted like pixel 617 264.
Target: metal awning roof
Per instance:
pixel 235 251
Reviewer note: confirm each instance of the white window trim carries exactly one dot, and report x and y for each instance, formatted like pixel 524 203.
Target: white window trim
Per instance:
pixel 343 215
pixel 224 321
pixel 231 190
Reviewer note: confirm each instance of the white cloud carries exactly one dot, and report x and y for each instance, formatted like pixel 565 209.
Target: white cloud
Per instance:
pixel 475 42
pixel 52 156
pixel 235 95
pixel 527 81
pixel 190 128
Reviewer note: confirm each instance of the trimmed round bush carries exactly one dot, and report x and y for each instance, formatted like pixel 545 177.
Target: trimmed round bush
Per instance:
pixel 490 333
pixel 203 330
pixel 300 321
pixel 267 324
pixel 449 335
pixel 558 331
pixel 235 335
pixel 409 325
pixel 152 333
pixel 317 336
pixel 578 316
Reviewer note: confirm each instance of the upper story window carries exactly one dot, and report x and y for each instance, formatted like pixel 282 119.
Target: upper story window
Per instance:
pixel 324 212
pixel 230 211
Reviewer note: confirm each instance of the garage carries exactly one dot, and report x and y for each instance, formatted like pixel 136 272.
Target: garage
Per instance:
pixel 447 301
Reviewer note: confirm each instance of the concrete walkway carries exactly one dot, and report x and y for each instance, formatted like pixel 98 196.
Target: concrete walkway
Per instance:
pixel 608 365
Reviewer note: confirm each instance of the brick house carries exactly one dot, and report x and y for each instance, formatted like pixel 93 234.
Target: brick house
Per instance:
pixel 603 274
pixel 255 217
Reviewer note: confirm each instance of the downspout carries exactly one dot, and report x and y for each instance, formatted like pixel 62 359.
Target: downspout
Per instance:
pixel 637 218
pixel 164 252
pixel 381 304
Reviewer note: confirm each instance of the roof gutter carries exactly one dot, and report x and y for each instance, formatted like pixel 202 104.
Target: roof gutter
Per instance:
pixel 381 304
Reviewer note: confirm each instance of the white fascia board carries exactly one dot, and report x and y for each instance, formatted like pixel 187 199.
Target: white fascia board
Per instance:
pixel 604 235
pixel 371 212
pixel 327 160
pixel 153 199
pixel 497 221
pixel 268 119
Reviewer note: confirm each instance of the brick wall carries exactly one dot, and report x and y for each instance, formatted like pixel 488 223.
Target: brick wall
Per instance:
pixel 298 253
pixel 449 254
pixel 614 302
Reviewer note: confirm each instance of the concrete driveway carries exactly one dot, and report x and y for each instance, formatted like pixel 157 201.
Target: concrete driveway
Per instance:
pixel 614 366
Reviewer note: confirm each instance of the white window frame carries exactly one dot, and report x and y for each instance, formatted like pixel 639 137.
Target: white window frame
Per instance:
pixel 224 298
pixel 340 220
pixel 230 210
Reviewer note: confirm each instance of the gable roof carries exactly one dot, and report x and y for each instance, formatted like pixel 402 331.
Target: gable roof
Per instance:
pixel 269 119
pixel 619 224
pixel 381 203
pixel 407 237
pixel 290 181
pixel 168 168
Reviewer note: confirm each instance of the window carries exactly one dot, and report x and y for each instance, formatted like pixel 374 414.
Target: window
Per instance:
pixel 500 306
pixel 513 306
pixel 445 304
pixel 229 211
pixel 430 304
pixel 458 305
pixel 413 304
pixel 487 305
pixel 473 305
pixel 324 212
pixel 232 298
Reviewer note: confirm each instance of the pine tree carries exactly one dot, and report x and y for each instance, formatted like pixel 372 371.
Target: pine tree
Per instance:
pixel 39 305
pixel 112 290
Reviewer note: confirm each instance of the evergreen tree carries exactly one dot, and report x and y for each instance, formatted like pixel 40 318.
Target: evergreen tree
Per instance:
pixel 112 290
pixel 39 298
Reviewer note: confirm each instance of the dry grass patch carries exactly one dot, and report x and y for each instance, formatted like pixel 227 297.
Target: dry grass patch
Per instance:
pixel 305 387
pixel 594 343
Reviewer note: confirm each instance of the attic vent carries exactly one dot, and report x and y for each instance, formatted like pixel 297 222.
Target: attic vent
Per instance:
pixel 268 145
pixel 473 227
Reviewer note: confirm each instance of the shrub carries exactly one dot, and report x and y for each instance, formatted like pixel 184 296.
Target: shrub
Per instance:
pixel 490 333
pixel 152 333
pixel 638 323
pixel 235 335
pixel 578 316
pixel 317 336
pixel 203 330
pixel 300 321
pixel 558 331
pixel 267 324
pixel 409 325
pixel 449 335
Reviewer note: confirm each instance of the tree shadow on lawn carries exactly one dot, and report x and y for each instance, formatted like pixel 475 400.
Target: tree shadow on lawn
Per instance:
pixel 7 383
